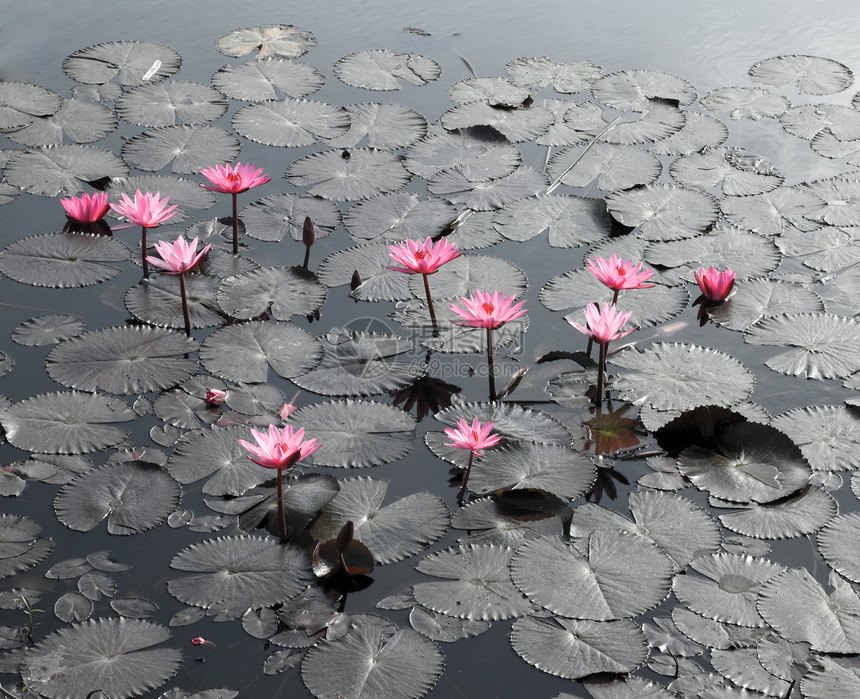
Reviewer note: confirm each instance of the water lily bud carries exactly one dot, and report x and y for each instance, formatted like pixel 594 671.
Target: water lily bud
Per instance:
pixel 215 397
pixel 308 233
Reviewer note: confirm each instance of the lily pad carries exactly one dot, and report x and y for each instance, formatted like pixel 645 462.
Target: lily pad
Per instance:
pixel 280 215
pixel 828 435
pixel 481 195
pixel 363 174
pixel 63 260
pixel 384 126
pixel 609 167
pixel 292 123
pixel 382 69
pixel 774 212
pixel 158 300
pixel 699 131
pixel 21 547
pixel 800 514
pixel 517 125
pixel 170 102
pixel 79 120
pixel 47 330
pixel 734 171
pixel 21 104
pixel 133 497
pixel 836 541
pixel 61 169
pixel 565 77
pixel 755 299
pixel 480 153
pixel 123 360
pixel 570 221
pixel 634 89
pixel 130 62
pixel 279 40
pixel 813 75
pixel 745 103
pixel 268 79
pixel 188 149
pixel 663 212
pixel 399 216
pixel 244 352
pixel 356 434
pixel 281 292
pixel 113 657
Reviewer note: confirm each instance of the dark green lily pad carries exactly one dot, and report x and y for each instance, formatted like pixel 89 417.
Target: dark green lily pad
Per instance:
pixel 574 648
pixel 124 359
pixel 133 497
pixel 268 79
pixel 69 422
pixel 252 570
pixel 477 583
pixel 356 434
pixel 63 260
pixel 393 532
pixel 112 657
pixel 188 149
pixel 364 174
pixel 619 575
pixel 291 122
pixel 374 660
pixel 281 292
pixel 244 352
pixel 382 69
pixel 826 346
pixel 131 62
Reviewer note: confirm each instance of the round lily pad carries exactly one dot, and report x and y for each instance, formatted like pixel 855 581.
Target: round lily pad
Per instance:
pixel 130 62
pixel 282 292
pixel 383 69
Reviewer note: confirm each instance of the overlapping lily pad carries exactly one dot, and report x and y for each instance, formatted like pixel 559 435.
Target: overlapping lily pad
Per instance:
pixel 382 69
pixel 745 103
pixel 609 167
pixel 61 169
pixel 381 126
pixel 634 89
pixel 664 212
pixel 281 292
pixel 799 514
pixel 21 547
pixel 275 217
pixel 187 149
pixel 565 77
pixel 171 102
pixel 268 79
pixel 291 123
pixel 399 216
pixel 79 120
pixel 570 221
pixel 755 299
pixel 365 173
pixel 21 104
pixel 480 153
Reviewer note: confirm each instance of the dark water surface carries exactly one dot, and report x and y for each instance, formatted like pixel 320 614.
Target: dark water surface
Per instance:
pixel 709 45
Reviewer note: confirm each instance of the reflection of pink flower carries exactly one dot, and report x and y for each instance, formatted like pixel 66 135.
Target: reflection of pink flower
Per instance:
pixel 620 274
pixel 715 285
pixel 86 208
pixel 177 257
pixel 422 258
pixel 280 449
pixel 286 410
pixel 147 210
pixel 234 180
pixel 485 310
pixel 604 325
pixel 474 437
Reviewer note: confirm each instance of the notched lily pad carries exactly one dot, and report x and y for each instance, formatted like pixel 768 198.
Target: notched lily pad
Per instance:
pixel 364 174
pixel 382 69
pixel 291 123
pixel 62 169
pixel 188 149
pixel 47 330
pixel 282 292
pixel 280 215
pixel 22 103
pixel 813 75
pixel 278 40
pixel 130 62
pixel 268 79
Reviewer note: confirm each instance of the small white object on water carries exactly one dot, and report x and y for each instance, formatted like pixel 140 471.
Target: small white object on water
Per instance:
pixel 152 71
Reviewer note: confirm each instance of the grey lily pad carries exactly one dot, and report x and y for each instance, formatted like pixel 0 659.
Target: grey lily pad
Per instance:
pixel 113 657
pixel 574 648
pixel 399 216
pixel 279 40
pixel 131 62
pixel 729 589
pixel 158 300
pixel 699 131
pixel 660 120
pixel 481 153
pixel 616 575
pixel 496 92
pixel 384 126
pixel 664 212
pixel 170 102
pixel 393 532
pixel 634 89
pixel 574 123
pixel 251 570
pixel 512 421
pixel 741 666
pixel 69 422
pixel 21 104
pixel 813 75
pixel 268 79
pixel 280 215
pixel 801 514
pixel 517 125
pixel 800 610
pixel 47 330
pixel 291 122
pixel 827 249
pixel 282 292
pixel 512 517
pixel 62 260
pixel 735 172
pixel 365 173
pixel 374 660
pixel 825 346
pixel 773 212
pixel 481 195
pixel 61 169
pixel 755 299
pixel 244 352
pixel 356 434
pixel 124 359
pixel 745 103
pixel 754 463
pixel 21 547
pixel 382 69
pixel 830 679
pixel 609 166
pixel 565 77
pixel 187 149
pixel 828 435
pixel 359 363
pixel 133 497
pixel 463 275
pixel 378 282
pixel 840 201
pixel 810 120
pixel 79 120
pixel 836 541
pixel 477 583
pixel 570 221
pixel 218 455
pixel 674 376
pixel 440 627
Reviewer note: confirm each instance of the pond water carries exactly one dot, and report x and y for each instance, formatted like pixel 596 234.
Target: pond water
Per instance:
pixel 794 255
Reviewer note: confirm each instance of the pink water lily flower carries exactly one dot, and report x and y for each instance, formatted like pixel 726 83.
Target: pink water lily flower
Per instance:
pixel 485 310
pixel 86 208
pixel 426 257
pixel 604 325
pixel 474 437
pixel 715 285
pixel 177 257
pixel 280 448
pixel 147 210
pixel 620 274
pixel 234 180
